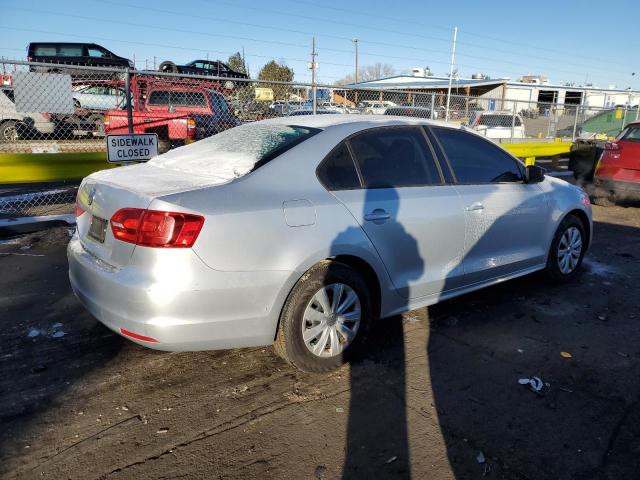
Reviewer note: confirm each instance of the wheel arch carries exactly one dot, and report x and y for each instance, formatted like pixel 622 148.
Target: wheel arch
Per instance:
pixel 355 262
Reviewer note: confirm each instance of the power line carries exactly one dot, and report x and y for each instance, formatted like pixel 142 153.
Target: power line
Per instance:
pixel 572 72
pixel 405 21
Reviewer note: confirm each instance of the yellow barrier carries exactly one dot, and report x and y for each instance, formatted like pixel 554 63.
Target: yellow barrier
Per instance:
pixel 55 167
pixel 50 167
pixel 530 150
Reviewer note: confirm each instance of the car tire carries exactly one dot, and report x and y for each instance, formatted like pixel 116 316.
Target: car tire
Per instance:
pixel 9 131
pixel 565 258
pixel 168 67
pixel 303 312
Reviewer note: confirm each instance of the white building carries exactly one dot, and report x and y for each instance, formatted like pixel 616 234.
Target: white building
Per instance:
pixel 501 93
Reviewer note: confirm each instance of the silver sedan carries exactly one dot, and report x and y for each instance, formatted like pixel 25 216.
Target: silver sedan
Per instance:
pixel 299 233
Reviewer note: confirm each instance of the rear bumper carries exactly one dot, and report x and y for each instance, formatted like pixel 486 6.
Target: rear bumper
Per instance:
pixel 183 304
pixel 617 186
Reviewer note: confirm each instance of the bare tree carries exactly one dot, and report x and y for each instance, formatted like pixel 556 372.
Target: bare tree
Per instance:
pixel 368 73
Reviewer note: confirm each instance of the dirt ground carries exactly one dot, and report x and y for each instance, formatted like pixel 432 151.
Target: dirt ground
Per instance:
pixel 436 396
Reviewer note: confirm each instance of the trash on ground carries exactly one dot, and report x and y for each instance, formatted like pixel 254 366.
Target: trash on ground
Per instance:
pixel 56 325
pixel 58 334
pixel 392 459
pixel 481 458
pixel 622 354
pixel 162 430
pixel 34 332
pixel 534 383
pixel 339 410
pixel 565 355
pixel 566 389
pixel 520 350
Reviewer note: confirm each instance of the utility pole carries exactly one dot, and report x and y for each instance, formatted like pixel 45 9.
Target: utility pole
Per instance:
pixel 313 75
pixel 453 59
pixel 355 42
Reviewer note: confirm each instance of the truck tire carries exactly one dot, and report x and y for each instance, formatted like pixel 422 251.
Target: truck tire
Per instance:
pixel 168 67
pixel 164 146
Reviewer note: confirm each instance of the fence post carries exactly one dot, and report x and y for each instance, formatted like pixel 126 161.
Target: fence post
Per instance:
pixel 433 105
pixel 575 121
pixel 513 119
pixel 624 117
pixel 127 94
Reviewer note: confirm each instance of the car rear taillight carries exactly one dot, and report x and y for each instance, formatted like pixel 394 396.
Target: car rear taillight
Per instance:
pixel 191 124
pixel 105 120
pixel 154 228
pixel 612 146
pixel 78 210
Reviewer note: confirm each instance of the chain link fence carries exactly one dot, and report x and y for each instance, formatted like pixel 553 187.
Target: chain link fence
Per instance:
pixel 50 108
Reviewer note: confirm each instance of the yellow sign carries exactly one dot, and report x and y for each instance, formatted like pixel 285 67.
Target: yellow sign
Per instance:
pixel 264 94
pixel 618 113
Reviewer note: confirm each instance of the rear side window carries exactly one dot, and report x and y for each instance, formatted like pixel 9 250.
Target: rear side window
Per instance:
pixel 475 160
pixel 394 157
pixel 337 171
pixel 45 51
pixel 70 51
pixel 177 98
pixel 159 97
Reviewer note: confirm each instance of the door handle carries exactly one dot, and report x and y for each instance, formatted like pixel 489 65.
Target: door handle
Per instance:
pixel 475 206
pixel 378 215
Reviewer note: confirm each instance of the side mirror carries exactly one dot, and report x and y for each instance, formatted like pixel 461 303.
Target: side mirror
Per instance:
pixel 535 174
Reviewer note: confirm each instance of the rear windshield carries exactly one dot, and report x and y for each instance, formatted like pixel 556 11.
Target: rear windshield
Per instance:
pixel 631 134
pixel 234 152
pixel 499 121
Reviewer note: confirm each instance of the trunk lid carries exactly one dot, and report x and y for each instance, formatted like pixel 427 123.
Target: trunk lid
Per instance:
pixel 104 193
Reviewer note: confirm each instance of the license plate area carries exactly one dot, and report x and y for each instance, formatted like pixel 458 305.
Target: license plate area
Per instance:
pixel 98 229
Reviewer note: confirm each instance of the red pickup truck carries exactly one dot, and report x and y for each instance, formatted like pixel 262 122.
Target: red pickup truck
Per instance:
pixel 178 112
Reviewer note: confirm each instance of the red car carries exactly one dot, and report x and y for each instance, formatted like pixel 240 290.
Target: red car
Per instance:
pixel 617 174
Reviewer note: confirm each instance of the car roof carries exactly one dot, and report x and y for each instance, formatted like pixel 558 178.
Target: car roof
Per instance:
pixel 326 121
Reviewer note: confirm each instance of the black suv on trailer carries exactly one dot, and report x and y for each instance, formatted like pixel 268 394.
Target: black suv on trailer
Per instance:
pixel 87 54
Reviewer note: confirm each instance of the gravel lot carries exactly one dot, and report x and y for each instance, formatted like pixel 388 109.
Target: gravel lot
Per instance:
pixel 437 387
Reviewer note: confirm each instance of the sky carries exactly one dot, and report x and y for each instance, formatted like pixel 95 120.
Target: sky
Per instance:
pixel 568 41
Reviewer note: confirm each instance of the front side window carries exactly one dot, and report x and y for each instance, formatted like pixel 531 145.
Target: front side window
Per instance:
pixel 337 171
pixel 631 134
pixel 476 160
pixel 96 52
pixel 394 157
